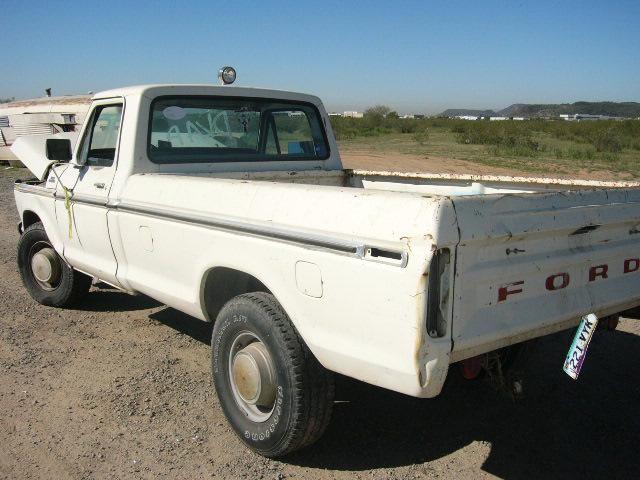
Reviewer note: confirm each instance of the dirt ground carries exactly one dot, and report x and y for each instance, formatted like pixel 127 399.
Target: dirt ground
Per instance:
pixel 404 162
pixel 120 388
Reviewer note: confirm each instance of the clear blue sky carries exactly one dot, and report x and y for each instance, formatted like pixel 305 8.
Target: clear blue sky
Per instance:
pixel 415 56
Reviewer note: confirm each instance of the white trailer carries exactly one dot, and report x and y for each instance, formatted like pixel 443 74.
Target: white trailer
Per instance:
pixel 40 116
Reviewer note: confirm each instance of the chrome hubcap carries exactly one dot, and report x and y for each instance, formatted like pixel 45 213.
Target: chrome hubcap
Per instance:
pixel 46 267
pixel 253 379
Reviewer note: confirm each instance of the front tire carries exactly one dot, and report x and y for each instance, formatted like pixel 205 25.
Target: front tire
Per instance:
pixel 273 391
pixel 47 277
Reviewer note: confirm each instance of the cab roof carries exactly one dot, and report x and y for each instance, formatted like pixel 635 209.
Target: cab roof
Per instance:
pixel 152 91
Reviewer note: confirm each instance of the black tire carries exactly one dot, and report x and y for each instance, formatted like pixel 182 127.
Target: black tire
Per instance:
pixel 70 287
pixel 305 389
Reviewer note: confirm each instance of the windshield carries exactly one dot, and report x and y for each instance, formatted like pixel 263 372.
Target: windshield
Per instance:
pixel 218 129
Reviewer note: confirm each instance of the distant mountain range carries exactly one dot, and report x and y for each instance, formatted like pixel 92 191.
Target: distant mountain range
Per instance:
pixel 614 109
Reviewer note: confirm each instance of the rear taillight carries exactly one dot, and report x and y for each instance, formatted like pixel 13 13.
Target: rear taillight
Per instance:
pixel 438 293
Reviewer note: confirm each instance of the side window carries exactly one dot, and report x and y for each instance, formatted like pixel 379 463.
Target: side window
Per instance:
pixel 100 142
pixel 291 130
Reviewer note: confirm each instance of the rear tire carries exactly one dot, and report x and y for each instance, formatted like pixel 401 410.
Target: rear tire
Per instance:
pixel 63 285
pixel 298 390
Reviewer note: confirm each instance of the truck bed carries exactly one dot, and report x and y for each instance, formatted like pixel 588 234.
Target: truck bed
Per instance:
pixel 505 234
pixel 428 183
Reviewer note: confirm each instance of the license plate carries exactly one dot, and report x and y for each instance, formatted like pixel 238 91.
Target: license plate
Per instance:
pixel 578 350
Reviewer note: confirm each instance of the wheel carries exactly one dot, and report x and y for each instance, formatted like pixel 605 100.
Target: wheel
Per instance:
pixel 48 279
pixel 273 391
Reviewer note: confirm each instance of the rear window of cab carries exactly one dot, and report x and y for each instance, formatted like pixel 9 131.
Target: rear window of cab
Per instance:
pixel 234 129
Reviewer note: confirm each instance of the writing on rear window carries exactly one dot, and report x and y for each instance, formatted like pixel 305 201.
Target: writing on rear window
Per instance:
pixel 214 129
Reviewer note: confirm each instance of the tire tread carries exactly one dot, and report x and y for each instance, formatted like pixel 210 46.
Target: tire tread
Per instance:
pixel 312 384
pixel 75 285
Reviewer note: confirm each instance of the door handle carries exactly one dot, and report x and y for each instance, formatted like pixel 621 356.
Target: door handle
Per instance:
pixel 98 185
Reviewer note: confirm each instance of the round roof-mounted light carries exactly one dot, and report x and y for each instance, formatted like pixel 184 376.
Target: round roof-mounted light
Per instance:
pixel 227 75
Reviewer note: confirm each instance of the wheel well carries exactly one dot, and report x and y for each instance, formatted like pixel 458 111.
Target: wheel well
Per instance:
pixel 221 284
pixel 29 218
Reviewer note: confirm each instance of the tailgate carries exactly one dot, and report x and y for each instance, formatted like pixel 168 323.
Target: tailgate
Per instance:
pixel 532 264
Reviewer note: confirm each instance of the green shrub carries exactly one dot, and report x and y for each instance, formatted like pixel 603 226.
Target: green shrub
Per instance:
pixel 408 125
pixel 603 135
pixel 421 136
pixel 607 141
pixel 608 156
pixel 581 153
pixel 521 150
pixel 505 138
pixel 512 137
pixel 374 123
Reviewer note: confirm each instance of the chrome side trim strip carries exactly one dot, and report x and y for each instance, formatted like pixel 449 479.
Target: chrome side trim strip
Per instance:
pixel 358 250
pixel 355 249
pixel 34 189
pixel 86 199
pixel 234 226
pixel 49 192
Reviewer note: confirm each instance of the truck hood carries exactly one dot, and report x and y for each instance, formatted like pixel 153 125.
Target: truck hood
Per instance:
pixel 31 151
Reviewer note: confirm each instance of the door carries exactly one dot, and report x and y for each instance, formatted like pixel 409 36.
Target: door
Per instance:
pixel 87 244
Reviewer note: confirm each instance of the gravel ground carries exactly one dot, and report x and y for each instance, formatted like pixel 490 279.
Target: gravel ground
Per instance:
pixel 120 388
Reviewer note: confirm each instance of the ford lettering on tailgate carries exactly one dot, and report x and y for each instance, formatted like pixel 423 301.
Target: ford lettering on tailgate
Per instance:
pixel 560 280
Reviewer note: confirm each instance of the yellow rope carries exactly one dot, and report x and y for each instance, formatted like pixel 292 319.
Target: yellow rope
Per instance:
pixel 68 206
pixel 67 200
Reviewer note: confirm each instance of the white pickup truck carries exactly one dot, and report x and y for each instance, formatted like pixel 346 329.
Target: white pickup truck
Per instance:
pixel 231 205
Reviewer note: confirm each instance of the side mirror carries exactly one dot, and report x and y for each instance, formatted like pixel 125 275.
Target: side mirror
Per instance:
pixel 59 149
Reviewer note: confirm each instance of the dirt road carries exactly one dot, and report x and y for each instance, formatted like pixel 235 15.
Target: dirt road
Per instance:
pixel 120 388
